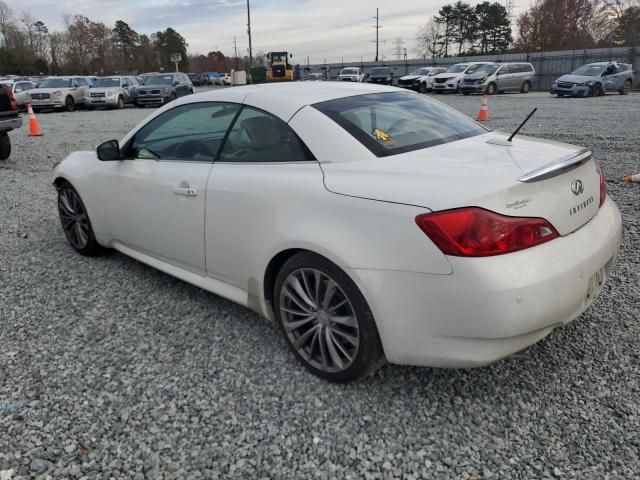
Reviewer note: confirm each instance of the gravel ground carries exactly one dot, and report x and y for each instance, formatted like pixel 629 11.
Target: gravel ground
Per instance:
pixel 111 369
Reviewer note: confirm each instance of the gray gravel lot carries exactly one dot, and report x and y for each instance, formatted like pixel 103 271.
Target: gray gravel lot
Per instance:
pixel 111 369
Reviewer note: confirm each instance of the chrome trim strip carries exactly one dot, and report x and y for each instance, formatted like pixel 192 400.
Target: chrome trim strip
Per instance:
pixel 557 167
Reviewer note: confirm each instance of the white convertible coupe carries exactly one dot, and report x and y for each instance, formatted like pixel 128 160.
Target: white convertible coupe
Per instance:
pixel 369 222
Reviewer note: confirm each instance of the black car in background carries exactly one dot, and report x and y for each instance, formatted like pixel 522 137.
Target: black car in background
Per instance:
pixel 199 79
pixel 381 75
pixel 162 88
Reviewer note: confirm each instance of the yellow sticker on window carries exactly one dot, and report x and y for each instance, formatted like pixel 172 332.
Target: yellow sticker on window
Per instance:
pixel 383 137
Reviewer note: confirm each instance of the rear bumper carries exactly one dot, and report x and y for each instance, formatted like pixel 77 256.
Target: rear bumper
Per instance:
pixel 10 124
pixel 490 308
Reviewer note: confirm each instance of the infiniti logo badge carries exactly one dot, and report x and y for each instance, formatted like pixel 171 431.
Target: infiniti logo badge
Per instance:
pixel 577 187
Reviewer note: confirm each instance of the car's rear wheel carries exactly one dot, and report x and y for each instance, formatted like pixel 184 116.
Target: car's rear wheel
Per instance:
pixel 5 146
pixel 69 104
pixel 325 319
pixel 526 87
pixel 75 221
pixel 626 88
pixel 492 89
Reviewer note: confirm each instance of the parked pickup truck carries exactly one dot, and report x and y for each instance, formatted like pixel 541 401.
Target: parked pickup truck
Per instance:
pixel 9 119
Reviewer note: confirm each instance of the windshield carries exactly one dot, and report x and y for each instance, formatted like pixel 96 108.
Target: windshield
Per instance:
pixel 279 57
pixel 589 70
pixel 486 69
pixel 380 71
pixel 56 83
pixel 107 82
pixel 349 71
pixel 459 68
pixel 475 68
pixel 421 71
pixel 392 123
pixel 159 80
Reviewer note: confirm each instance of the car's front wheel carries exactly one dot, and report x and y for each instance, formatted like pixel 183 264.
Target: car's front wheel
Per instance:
pixel 626 88
pixel 422 88
pixel 325 319
pixel 75 221
pixel 120 105
pixel 492 89
pixel 69 104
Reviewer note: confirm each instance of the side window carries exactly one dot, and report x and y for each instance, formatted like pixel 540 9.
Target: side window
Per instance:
pixel 191 132
pixel 506 70
pixel 75 83
pixel 124 82
pixel 257 136
pixel 19 87
pixel 622 68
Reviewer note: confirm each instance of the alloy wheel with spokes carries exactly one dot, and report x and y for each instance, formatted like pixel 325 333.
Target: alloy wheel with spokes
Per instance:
pixel 319 320
pixel 75 221
pixel 325 319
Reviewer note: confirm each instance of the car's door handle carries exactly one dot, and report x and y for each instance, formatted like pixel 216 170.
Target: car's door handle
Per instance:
pixel 185 191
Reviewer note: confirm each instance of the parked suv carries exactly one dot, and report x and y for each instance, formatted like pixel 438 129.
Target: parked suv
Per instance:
pixel 449 81
pixel 21 92
pixel 9 119
pixel 351 74
pixel 499 78
pixel 112 92
pixel 595 79
pixel 163 88
pixel 381 75
pixel 62 93
pixel 421 80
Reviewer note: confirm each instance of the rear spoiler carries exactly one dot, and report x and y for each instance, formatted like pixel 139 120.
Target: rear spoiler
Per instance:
pixel 557 167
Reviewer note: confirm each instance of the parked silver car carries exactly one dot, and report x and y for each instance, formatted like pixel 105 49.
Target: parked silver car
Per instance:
pixel 112 92
pixel 62 93
pixel 595 79
pixel 499 78
pixel 20 90
pixel 421 80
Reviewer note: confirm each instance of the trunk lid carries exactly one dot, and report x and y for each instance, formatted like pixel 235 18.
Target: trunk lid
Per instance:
pixel 477 172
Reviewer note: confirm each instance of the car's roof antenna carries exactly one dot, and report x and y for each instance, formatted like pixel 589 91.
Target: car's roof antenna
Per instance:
pixel 522 125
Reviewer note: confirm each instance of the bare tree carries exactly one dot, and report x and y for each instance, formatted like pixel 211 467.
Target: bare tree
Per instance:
pixel 6 22
pixel 429 39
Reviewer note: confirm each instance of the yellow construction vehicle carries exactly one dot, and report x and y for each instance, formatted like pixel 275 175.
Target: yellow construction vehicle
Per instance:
pixel 280 70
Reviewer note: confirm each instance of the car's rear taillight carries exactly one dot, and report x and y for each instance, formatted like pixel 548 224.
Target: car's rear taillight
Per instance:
pixel 12 101
pixel 475 232
pixel 603 184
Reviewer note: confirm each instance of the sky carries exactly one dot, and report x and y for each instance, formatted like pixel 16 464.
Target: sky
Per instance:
pixel 320 29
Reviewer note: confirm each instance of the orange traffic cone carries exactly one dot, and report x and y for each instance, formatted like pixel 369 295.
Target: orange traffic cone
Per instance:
pixel 483 116
pixel 632 178
pixel 34 126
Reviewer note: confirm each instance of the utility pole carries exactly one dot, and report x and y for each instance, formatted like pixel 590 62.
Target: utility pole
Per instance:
pixel 235 48
pixel 377 27
pixel 249 32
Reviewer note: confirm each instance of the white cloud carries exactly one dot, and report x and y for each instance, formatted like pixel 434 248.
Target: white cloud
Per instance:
pixel 329 29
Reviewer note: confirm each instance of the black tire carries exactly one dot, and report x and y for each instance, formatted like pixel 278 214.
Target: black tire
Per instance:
pixel 626 88
pixel 72 211
pixel 465 93
pixel 596 91
pixel 366 357
pixel 492 88
pixel 69 104
pixel 172 97
pixel 120 105
pixel 560 95
pixel 422 88
pixel 526 87
pixel 5 146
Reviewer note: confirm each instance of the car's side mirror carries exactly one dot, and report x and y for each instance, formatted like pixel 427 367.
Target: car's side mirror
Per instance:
pixel 109 151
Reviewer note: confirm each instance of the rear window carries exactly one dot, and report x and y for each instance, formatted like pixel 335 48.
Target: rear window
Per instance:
pixel 399 122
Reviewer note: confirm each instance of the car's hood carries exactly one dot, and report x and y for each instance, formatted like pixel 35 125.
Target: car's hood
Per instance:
pixel 104 89
pixel 153 87
pixel 380 75
pixel 473 172
pixel 576 78
pixel 475 76
pixel 51 90
pixel 449 75
pixel 411 77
